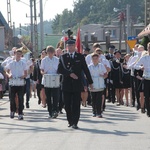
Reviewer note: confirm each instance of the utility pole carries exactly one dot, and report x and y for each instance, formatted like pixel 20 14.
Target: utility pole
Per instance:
pixel 20 29
pixel 41 26
pixel 35 31
pixel 147 12
pixel 31 21
pixel 9 13
pixel 128 24
pixel 121 18
pixel 14 29
pixel 9 32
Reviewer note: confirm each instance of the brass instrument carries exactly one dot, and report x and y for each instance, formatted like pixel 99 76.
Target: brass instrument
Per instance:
pixel 24 49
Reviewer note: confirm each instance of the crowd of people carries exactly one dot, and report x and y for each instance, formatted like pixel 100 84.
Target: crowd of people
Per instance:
pixel 65 79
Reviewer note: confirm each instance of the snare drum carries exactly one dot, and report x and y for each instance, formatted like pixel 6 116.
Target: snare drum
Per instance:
pixel 51 80
pixel 16 82
pixel 98 84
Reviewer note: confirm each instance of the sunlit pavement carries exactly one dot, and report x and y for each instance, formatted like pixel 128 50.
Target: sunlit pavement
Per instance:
pixel 121 128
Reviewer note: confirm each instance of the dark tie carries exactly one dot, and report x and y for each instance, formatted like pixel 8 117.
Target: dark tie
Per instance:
pixel 71 58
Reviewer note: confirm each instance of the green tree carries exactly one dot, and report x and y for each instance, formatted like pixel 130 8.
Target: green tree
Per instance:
pixel 96 11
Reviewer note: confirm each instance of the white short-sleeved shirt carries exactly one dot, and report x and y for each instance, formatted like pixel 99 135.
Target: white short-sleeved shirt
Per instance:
pixel 29 63
pixel 145 62
pixel 7 61
pixel 50 66
pixel 17 68
pixel 96 73
pixel 105 62
pixel 88 58
pixel 97 70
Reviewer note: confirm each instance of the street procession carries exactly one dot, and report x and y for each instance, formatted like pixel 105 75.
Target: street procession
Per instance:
pixel 66 79
pixel 75 74
pixel 88 65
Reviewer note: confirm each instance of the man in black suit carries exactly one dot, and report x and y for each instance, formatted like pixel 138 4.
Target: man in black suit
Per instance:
pixel 109 85
pixel 70 66
pixel 110 55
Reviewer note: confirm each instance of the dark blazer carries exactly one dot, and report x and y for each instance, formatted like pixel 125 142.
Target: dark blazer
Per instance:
pixel 37 72
pixel 109 57
pixel 77 65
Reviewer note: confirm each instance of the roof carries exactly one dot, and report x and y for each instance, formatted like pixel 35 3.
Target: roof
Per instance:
pixel 3 21
pixel 91 26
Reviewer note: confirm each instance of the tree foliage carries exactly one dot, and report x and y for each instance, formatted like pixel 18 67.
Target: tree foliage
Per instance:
pixel 96 11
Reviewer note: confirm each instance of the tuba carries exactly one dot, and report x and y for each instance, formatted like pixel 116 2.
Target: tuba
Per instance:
pixel 24 49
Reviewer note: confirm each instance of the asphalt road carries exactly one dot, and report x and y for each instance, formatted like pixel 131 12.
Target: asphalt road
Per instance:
pixel 121 128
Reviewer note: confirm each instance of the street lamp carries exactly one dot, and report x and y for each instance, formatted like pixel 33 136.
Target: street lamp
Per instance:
pixel 22 2
pixel 121 17
pixel 31 16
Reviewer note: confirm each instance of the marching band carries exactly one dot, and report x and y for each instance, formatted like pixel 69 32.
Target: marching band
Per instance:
pixel 59 79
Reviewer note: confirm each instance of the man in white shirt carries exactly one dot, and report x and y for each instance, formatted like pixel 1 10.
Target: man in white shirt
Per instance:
pixel 134 81
pixel 49 65
pixel 144 64
pixel 88 58
pixel 16 69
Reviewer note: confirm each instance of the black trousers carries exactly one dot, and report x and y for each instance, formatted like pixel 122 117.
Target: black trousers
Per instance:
pixel 97 102
pixel 132 81
pixel 38 89
pixel 52 97
pixel 147 95
pixel 61 101
pixel 27 89
pixel 111 92
pixel 72 106
pixel 89 101
pixel 137 93
pixel 19 90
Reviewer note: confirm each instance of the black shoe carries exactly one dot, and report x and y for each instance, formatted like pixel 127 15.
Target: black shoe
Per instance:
pixel 12 115
pixel 89 104
pixel 27 105
pixel 108 101
pixel 118 104
pixel 69 125
pixel 50 115
pixel 75 126
pixel 133 104
pixel 100 116
pixel 39 101
pixel 142 110
pixel 61 112
pixel 94 115
pixel 20 117
pixel 55 115
pixel 148 114
pixel 138 107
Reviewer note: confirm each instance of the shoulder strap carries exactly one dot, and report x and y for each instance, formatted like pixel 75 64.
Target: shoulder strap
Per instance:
pixel 62 60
